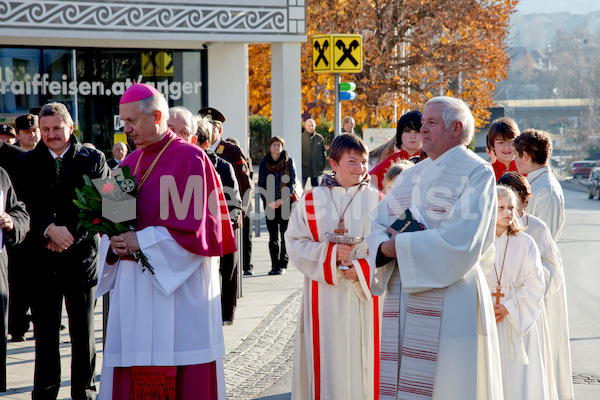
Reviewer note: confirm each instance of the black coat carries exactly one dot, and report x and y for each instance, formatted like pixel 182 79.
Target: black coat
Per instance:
pixel 49 200
pixel 16 210
pixel 313 155
pixel 8 156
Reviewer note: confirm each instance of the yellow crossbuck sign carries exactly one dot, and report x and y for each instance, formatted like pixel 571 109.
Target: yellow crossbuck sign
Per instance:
pixel 337 53
pixel 321 51
pixel 347 53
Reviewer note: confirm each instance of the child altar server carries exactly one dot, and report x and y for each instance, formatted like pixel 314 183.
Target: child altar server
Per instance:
pixel 556 322
pixel 517 285
pixel 337 337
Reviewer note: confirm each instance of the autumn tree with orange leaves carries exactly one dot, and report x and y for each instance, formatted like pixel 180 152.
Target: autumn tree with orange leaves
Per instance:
pixel 412 50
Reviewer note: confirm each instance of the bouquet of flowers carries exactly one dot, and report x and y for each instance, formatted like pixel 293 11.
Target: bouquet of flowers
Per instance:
pixel 107 206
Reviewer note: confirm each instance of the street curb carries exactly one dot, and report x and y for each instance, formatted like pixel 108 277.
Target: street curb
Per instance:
pixel 266 354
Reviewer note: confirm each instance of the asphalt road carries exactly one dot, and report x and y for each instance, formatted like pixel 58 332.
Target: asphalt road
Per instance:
pixel 580 248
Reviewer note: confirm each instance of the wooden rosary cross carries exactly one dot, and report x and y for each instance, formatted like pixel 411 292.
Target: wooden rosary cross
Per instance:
pixel 340 230
pixel 498 294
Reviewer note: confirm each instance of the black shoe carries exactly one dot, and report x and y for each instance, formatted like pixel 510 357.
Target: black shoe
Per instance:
pixel 228 322
pixel 62 327
pixel 276 271
pixel 249 272
pixel 17 338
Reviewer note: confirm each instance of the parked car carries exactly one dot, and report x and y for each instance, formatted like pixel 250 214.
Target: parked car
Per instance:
pixel 594 183
pixel 582 169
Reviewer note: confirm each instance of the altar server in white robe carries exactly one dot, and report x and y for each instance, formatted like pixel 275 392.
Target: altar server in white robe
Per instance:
pixel 164 337
pixel 518 286
pixel 439 338
pixel 533 150
pixel 558 360
pixel 337 337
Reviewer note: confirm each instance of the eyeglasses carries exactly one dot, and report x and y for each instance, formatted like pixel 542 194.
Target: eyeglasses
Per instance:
pixel 182 133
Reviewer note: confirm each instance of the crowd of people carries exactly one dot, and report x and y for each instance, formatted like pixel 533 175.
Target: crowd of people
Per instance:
pixel 428 272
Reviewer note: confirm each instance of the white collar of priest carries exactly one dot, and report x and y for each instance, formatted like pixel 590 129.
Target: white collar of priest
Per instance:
pixel 54 155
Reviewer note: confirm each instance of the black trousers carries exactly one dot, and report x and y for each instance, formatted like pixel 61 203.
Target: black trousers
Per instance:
pixel 4 305
pixel 46 309
pixel 277 227
pixel 247 242
pixel 314 181
pixel 229 279
pixel 19 282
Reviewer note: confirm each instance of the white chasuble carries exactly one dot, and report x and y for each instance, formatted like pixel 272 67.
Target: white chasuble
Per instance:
pixel 519 269
pixel 336 353
pixel 170 318
pixel 557 346
pixel 457 356
pixel 547 201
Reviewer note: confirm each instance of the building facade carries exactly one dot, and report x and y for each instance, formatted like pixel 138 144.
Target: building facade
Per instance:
pixel 86 53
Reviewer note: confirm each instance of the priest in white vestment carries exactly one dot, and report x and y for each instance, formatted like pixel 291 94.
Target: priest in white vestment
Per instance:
pixel 547 202
pixel 554 320
pixel 164 337
pixel 439 338
pixel 518 285
pixel 337 338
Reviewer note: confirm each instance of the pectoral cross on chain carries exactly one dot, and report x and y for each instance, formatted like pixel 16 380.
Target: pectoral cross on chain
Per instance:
pixel 341 230
pixel 498 294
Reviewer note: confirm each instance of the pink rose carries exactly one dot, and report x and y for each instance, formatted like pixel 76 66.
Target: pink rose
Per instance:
pixel 108 188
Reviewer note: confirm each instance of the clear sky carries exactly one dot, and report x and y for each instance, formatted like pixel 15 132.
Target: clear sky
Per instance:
pixel 550 6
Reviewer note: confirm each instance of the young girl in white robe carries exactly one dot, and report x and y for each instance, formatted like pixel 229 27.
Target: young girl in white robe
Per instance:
pixel 517 286
pixel 555 323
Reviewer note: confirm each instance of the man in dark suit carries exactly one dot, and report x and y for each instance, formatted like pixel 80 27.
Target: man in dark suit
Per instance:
pixel 14 224
pixel 18 277
pixel 119 152
pixel 236 157
pixel 65 263
pixel 227 268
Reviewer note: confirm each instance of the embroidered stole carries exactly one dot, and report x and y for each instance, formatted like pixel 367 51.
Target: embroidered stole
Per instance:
pixel 416 356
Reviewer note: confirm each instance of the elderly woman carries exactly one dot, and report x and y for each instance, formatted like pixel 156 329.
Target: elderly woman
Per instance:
pixel 277 178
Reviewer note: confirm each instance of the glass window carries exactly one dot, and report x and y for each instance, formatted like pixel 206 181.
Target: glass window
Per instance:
pixel 91 81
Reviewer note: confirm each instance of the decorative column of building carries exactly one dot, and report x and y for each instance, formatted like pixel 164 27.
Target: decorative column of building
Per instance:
pixel 188 69
pixel 228 88
pixel 286 98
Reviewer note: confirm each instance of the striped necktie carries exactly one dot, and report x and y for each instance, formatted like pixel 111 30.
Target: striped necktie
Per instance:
pixel 57 165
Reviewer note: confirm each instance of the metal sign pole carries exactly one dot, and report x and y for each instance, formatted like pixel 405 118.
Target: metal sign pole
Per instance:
pixel 338 108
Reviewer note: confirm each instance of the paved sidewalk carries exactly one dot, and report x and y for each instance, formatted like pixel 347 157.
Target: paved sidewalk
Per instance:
pixel 259 344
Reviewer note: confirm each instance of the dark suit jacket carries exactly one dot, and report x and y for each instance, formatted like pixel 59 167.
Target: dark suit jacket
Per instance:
pixel 8 156
pixel 232 195
pixel 49 200
pixel 112 163
pixel 16 210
